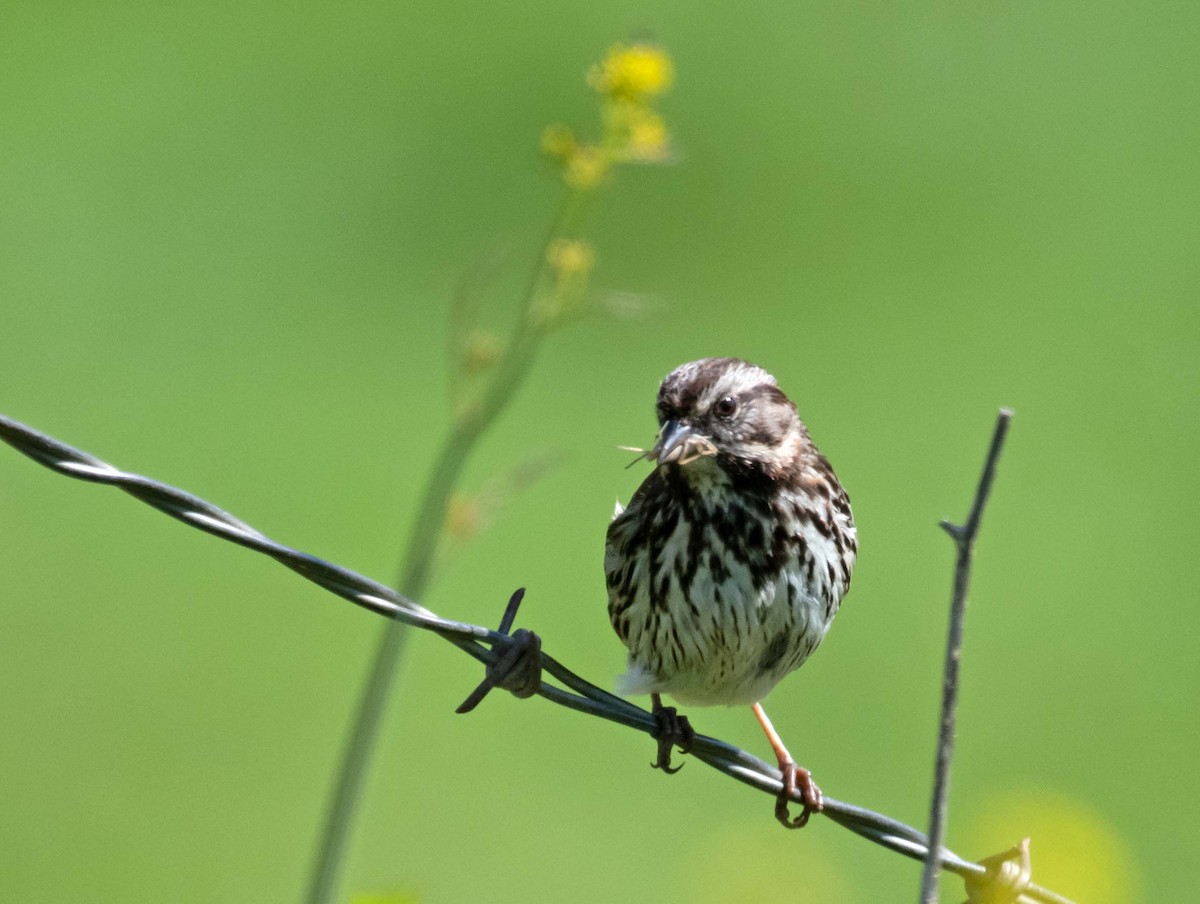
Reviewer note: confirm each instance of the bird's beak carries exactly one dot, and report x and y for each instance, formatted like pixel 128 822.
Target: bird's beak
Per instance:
pixel 679 443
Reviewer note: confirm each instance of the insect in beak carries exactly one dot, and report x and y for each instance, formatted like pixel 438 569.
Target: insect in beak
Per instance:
pixel 643 454
pixel 679 443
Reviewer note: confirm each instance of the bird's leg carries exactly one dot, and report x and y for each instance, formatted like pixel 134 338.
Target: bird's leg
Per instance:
pixel 795 778
pixel 672 729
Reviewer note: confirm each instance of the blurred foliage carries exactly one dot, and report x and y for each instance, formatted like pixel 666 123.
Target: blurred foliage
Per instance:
pixel 229 240
pixel 1073 847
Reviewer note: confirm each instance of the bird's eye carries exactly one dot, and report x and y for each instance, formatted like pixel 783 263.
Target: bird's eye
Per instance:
pixel 726 407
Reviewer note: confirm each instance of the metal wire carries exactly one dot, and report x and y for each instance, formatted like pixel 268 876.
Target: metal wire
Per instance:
pixel 481 643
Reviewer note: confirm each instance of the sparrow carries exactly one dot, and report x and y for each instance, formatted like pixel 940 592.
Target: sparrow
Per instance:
pixel 727 567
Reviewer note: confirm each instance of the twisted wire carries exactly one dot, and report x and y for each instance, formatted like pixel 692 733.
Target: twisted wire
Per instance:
pixel 479 642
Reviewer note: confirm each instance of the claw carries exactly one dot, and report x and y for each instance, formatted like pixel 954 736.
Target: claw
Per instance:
pixel 664 759
pixel 797 779
pixel 672 730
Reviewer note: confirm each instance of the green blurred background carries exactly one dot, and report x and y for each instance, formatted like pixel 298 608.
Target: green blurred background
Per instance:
pixel 228 237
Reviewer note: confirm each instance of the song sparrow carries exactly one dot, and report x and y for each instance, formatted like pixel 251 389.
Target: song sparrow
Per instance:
pixel 728 565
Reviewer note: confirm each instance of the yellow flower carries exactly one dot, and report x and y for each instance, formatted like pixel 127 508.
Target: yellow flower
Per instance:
pixel 633 72
pixel 586 166
pixel 647 137
pixel 569 262
pixel 570 257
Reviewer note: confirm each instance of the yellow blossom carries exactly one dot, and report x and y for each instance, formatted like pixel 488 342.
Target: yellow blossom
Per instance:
pixel 633 72
pixel 647 137
pixel 569 262
pixel 570 257
pixel 586 166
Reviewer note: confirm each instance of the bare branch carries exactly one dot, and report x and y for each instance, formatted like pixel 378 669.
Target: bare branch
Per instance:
pixel 964 539
pixel 478 642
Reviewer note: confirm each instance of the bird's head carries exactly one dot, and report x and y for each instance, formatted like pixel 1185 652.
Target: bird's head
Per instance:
pixel 731 411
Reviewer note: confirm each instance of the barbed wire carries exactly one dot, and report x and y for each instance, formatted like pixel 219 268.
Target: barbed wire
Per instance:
pixel 515 661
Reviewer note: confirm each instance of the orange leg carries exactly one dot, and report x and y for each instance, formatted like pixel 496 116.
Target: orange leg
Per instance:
pixel 796 779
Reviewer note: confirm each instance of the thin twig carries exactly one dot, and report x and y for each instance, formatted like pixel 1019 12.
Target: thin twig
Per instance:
pixel 964 540
pixel 478 642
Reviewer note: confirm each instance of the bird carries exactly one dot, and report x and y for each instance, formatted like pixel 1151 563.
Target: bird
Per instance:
pixel 732 557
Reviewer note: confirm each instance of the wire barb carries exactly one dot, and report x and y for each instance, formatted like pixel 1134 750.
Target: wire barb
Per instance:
pixel 518 668
pixel 478 642
pixel 1007 878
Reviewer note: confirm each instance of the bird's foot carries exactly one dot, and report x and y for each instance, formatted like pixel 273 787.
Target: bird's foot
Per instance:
pixel 671 730
pixel 797 779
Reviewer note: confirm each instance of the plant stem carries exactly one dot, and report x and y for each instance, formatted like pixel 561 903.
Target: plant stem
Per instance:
pixel 964 541
pixel 417 570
